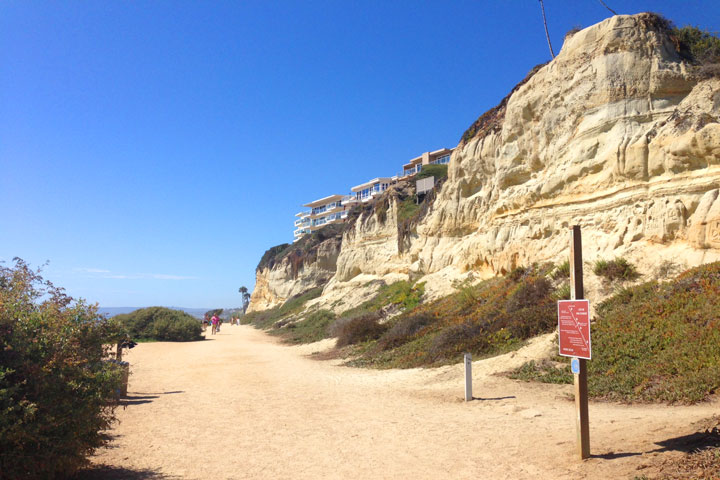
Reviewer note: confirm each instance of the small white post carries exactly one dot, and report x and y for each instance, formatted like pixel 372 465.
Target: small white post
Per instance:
pixel 468 377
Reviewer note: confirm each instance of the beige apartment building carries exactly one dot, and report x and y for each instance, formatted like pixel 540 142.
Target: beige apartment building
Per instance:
pixel 439 157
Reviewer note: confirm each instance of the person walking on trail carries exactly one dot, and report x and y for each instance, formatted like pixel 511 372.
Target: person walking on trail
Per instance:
pixel 215 321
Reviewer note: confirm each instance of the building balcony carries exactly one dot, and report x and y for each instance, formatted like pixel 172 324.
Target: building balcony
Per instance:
pixel 327 211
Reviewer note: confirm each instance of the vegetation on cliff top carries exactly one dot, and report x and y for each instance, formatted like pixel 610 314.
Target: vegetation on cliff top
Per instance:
pixel 700 47
pixel 303 251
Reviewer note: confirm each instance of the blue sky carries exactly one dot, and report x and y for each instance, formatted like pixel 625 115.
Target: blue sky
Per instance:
pixel 151 151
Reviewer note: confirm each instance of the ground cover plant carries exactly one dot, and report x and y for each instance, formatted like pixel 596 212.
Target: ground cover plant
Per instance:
pixel 56 391
pixel 658 342
pixel 312 328
pixel 161 324
pixel 290 322
pixel 486 319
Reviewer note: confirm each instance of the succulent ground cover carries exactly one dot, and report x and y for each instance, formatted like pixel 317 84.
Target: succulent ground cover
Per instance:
pixel 655 342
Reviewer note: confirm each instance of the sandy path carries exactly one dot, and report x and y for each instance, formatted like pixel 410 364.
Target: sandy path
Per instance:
pixel 241 405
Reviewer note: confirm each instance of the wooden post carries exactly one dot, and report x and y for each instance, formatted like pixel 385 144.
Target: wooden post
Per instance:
pixel 468 377
pixel 118 352
pixel 582 423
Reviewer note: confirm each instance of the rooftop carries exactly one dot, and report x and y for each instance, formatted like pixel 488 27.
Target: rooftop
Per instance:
pixel 323 201
pixel 372 182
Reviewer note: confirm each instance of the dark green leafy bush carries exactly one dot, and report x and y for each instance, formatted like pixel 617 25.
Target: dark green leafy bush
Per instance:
pixel 703 46
pixel 56 392
pixel 160 323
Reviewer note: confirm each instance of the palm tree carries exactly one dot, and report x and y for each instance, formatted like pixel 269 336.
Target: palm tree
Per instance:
pixel 245 297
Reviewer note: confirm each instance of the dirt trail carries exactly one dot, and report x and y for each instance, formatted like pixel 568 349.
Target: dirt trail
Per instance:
pixel 241 405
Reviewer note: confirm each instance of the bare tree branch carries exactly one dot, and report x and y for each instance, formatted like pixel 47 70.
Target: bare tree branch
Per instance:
pixel 603 4
pixel 547 35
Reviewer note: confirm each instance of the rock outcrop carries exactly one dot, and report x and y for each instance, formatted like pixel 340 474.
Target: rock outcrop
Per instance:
pixel 295 269
pixel 618 134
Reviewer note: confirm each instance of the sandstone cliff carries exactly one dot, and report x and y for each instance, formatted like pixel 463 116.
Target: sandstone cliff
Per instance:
pixel 618 134
pixel 289 270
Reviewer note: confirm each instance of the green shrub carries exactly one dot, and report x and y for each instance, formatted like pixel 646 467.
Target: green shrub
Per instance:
pixel 562 292
pixel 406 295
pixel 350 331
pixel 407 209
pixel 544 372
pixel 617 269
pixel 404 330
pixel 457 339
pixel 528 294
pixel 561 271
pixel 702 45
pixel 160 323
pixel 55 389
pixel 433 170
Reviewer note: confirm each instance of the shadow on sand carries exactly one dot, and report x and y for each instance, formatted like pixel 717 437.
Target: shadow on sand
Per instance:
pixel 686 443
pixel 107 472
pixel 494 398
pixel 138 398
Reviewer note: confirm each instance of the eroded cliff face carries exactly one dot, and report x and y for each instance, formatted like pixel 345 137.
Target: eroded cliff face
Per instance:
pixel 295 273
pixel 617 134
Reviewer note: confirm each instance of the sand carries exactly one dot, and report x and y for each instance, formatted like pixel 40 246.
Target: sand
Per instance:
pixel 241 405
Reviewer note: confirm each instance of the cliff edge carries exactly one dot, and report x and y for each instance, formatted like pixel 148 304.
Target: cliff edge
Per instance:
pixel 619 134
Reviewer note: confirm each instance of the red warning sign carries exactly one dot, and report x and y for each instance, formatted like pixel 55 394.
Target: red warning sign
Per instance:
pixel 574 328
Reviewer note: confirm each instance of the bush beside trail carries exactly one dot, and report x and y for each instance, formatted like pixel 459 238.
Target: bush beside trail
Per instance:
pixel 56 392
pixel 655 342
pixel 492 317
pixel 160 323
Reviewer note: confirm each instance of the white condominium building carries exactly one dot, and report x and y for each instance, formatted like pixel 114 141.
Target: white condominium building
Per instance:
pixel 322 212
pixel 368 190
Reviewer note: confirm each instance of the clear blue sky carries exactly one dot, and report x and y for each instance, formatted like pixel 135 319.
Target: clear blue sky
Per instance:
pixel 153 150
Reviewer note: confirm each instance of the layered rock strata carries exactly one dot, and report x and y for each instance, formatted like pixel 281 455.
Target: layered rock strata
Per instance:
pixel 618 134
